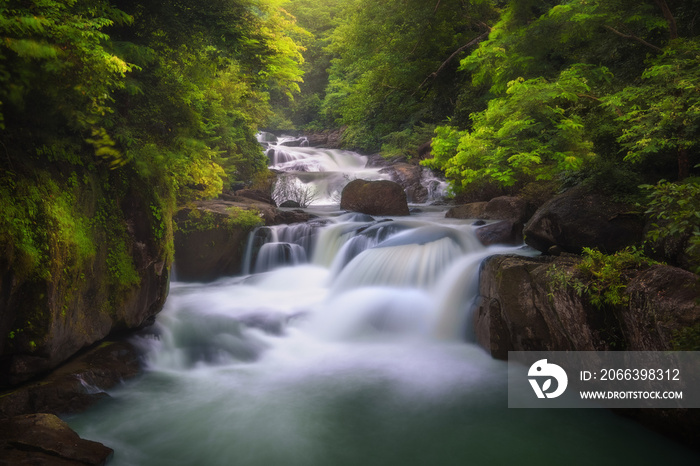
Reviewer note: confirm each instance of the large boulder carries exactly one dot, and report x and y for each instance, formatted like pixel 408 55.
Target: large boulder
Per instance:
pixel 44 439
pixel 511 208
pixel 502 232
pixel 374 198
pixel 473 210
pixel 526 305
pixel 104 268
pixel 579 218
pixel 211 236
pixel 210 239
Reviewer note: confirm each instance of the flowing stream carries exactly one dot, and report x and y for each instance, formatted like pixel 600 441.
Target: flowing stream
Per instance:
pixel 346 343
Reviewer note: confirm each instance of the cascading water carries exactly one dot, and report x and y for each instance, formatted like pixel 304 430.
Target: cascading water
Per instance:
pixel 357 354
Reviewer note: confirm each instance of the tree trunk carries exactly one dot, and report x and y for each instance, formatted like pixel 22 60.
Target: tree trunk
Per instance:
pixel 672 28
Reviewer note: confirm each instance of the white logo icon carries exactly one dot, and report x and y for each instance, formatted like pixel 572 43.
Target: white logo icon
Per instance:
pixel 542 369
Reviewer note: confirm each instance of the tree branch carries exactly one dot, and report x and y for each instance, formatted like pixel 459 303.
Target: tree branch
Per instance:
pixel 434 74
pixel 630 36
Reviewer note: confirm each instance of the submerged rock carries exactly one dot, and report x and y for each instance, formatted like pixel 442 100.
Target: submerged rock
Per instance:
pixel 375 198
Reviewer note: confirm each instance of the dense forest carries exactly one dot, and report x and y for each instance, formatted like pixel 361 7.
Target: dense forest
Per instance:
pixel 164 99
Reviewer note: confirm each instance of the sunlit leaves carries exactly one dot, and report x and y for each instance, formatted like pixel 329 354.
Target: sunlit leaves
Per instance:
pixel 533 132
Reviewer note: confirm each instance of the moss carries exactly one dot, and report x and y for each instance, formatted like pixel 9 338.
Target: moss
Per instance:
pixel 203 220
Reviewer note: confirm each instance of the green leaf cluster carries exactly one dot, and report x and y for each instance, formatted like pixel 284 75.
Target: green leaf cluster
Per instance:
pixel 674 209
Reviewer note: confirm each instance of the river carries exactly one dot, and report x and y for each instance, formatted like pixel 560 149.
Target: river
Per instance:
pixel 346 343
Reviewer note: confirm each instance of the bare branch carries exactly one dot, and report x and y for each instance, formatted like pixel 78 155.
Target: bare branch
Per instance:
pixel 630 36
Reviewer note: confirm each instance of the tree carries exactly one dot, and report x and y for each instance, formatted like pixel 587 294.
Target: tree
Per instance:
pixel 662 114
pixel 532 133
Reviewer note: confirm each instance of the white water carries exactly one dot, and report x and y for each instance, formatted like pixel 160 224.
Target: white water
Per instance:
pixel 360 356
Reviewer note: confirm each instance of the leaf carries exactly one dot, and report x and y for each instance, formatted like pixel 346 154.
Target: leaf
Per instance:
pixel 546 385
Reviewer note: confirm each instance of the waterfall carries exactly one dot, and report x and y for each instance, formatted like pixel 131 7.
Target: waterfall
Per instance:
pixel 345 342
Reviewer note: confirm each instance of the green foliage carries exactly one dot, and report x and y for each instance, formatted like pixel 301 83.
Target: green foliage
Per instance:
pixel 662 114
pixel 686 339
pixel 405 144
pixel 605 277
pixel 532 133
pixel 675 211
pixel 393 65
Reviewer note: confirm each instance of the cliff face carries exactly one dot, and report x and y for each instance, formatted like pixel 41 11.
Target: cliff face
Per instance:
pixel 528 304
pixel 525 305
pixel 84 255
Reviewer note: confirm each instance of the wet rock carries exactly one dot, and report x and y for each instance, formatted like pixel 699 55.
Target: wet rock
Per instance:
pixel 331 139
pixel 525 307
pixel 77 384
pixel 290 204
pixel 44 439
pixel 503 232
pixel 579 218
pixel 208 244
pixel 256 195
pixel 410 178
pixel 374 198
pixel 509 208
pixel 467 211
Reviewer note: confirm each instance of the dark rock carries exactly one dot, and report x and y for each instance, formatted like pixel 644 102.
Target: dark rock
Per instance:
pixel 503 232
pixel 579 218
pixel 331 139
pixel 296 142
pixel 256 195
pixel 77 384
pixel 467 211
pixel 44 439
pixel 208 245
pixel 44 321
pixel 376 160
pixel 479 223
pixel 410 178
pixel 374 198
pixel 509 208
pixel 524 307
pixel 290 204
pixel 518 310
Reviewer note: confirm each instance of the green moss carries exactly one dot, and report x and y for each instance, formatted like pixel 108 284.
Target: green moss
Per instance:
pixel 203 220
